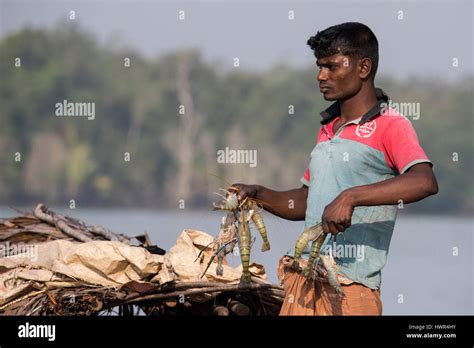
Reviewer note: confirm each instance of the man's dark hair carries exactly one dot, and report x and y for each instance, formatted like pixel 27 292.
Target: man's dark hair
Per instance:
pixel 350 39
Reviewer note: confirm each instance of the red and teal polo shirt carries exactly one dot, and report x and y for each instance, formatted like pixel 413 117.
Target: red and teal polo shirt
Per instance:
pixel 378 146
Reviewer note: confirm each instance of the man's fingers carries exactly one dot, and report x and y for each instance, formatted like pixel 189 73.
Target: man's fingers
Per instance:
pixel 333 228
pixel 235 188
pixel 326 227
pixel 239 189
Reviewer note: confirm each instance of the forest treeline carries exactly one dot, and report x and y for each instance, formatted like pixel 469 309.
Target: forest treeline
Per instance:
pixel 160 122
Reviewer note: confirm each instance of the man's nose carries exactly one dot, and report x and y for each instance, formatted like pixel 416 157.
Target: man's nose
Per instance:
pixel 322 75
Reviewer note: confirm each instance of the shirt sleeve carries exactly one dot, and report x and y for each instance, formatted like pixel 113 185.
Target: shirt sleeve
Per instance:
pixel 307 174
pixel 306 177
pixel 402 149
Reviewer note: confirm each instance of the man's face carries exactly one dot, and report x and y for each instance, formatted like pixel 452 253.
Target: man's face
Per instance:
pixel 338 77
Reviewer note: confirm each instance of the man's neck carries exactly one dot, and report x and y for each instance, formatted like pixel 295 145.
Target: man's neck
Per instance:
pixel 358 105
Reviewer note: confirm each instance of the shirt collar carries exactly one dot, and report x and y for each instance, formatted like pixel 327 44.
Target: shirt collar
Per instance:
pixel 335 109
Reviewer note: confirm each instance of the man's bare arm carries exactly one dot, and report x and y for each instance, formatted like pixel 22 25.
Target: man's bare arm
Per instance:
pixel 417 183
pixel 290 205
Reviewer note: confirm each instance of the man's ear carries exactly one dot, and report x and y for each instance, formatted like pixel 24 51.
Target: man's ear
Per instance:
pixel 365 66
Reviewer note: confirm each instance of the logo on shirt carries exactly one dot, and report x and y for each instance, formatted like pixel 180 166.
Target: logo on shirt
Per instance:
pixel 366 130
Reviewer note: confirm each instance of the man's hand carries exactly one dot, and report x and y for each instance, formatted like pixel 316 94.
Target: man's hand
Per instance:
pixel 337 214
pixel 243 191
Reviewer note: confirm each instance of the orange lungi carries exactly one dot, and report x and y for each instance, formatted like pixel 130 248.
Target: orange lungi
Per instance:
pixel 303 297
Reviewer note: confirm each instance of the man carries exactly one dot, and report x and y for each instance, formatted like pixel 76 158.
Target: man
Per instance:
pixel 367 156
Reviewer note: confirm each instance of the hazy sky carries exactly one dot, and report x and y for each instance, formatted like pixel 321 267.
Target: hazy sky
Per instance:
pixel 260 34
